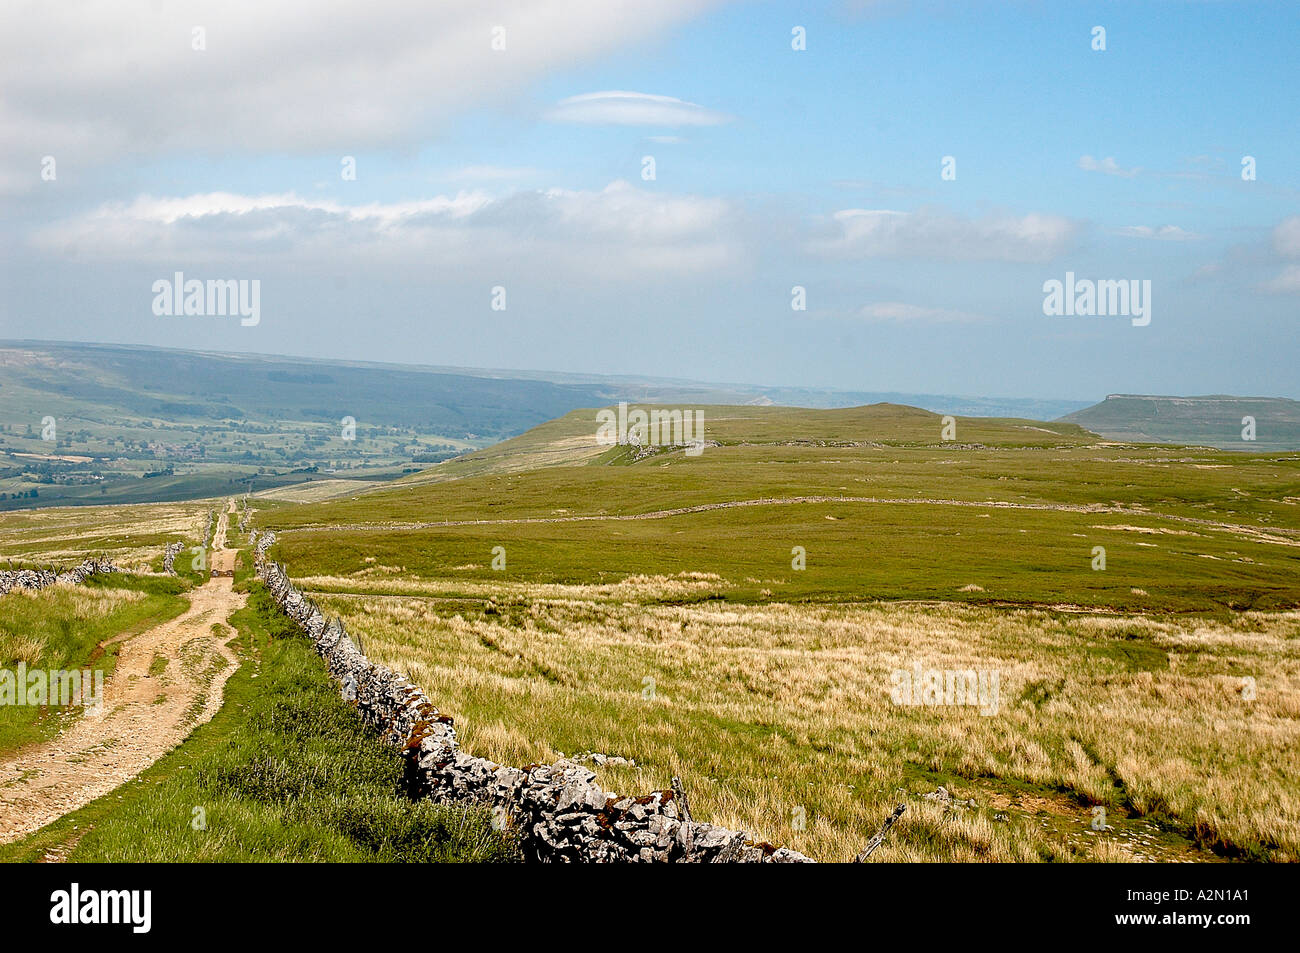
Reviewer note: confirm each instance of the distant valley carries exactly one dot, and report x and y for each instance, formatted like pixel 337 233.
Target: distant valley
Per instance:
pixel 85 424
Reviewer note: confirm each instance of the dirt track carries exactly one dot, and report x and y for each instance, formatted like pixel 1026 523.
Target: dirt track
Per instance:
pixel 143 716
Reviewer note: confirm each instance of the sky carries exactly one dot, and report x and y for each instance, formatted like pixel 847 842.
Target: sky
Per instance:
pixel 858 195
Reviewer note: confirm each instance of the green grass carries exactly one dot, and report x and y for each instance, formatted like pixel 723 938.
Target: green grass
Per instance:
pixel 779 698
pixel 867 553
pixel 286 771
pixel 61 627
pixel 1188 536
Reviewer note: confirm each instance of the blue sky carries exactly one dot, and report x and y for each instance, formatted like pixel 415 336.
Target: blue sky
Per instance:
pixel 774 168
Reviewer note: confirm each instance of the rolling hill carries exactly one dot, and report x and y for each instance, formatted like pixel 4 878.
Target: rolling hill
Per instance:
pixel 1007 512
pixel 142 424
pixel 738 618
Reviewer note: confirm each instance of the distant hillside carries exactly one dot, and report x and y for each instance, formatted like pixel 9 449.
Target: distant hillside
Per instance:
pixel 1211 421
pixel 571 440
pixel 1010 511
pixel 179 386
pixel 143 424
pixel 134 424
pixel 663 390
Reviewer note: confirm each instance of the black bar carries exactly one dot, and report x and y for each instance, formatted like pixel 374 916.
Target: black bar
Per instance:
pixel 226 902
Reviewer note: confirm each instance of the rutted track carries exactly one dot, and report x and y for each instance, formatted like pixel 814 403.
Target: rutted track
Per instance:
pixel 143 716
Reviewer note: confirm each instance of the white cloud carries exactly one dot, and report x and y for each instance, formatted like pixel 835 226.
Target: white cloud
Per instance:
pixel 90 82
pixel 1108 166
pixel 1168 233
pixel 931 233
pixel 488 173
pixel 1286 237
pixel 615 232
pixel 910 313
pixel 1285 282
pixel 1286 242
pixel 622 108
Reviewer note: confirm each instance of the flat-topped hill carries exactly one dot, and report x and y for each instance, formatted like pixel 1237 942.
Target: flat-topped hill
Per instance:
pixel 1215 420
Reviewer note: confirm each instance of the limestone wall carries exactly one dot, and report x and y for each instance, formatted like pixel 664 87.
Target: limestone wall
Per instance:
pixel 559 811
pixel 169 557
pixel 11 579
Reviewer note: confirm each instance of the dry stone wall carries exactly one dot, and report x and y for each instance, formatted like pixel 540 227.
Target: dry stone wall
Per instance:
pixel 260 545
pixel 11 579
pixel 207 532
pixel 169 557
pixel 559 811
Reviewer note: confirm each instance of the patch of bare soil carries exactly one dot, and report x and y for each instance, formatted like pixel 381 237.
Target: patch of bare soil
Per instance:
pixel 1137 839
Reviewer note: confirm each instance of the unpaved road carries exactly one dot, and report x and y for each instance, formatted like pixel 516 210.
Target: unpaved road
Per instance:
pixel 143 716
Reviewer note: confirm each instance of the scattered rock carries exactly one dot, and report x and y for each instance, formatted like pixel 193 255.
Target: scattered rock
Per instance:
pixel 940 795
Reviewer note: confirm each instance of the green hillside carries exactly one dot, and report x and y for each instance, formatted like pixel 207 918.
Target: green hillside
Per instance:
pixel 571 439
pixel 1214 421
pixel 133 424
pixel 1009 512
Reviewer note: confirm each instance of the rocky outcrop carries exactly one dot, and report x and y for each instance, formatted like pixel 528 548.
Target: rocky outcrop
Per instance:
pixel 559 812
pixel 11 579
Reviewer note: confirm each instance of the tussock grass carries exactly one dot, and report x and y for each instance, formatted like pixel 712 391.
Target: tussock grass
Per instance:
pixel 775 710
pixel 133 535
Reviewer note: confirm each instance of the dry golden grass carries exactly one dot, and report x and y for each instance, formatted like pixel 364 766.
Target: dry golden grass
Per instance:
pixel 25 616
pixel 379 579
pixel 132 534
pixel 316 490
pixel 778 714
